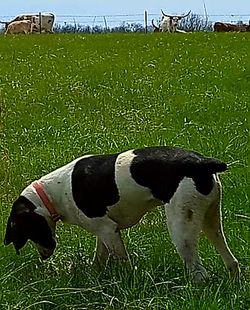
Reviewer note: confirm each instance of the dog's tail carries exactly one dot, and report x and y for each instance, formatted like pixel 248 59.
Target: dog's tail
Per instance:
pixel 212 165
pixel 202 170
pixel 204 165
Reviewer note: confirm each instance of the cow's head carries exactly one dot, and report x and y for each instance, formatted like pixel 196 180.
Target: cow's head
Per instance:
pixel 170 22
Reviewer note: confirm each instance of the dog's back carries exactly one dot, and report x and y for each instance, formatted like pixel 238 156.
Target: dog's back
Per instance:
pixel 162 168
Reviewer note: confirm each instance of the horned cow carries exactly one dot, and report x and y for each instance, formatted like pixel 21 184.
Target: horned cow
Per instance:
pixel 169 23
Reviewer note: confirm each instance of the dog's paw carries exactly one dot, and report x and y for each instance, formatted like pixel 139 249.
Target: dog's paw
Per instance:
pixel 234 270
pixel 199 275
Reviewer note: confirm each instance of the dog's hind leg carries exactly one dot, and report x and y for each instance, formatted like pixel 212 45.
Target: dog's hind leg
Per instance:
pixel 212 228
pixel 184 227
pixel 185 213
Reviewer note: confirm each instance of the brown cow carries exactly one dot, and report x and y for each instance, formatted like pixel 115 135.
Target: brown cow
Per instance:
pixel 227 27
pixel 247 27
pixel 21 26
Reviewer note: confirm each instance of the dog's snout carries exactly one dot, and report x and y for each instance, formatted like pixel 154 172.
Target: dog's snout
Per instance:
pixel 44 252
pixel 45 256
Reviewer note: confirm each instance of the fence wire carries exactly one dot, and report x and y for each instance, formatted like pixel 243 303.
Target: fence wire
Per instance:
pixel 115 20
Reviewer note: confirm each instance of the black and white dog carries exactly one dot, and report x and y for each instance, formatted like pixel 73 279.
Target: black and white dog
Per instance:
pixel 107 193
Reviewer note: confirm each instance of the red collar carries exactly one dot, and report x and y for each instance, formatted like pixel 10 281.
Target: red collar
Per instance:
pixel 46 201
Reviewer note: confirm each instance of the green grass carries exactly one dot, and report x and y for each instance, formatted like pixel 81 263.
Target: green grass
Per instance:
pixel 62 96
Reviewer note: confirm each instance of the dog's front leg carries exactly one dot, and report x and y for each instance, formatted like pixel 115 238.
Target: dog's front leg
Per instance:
pixel 108 242
pixel 114 244
pixel 101 253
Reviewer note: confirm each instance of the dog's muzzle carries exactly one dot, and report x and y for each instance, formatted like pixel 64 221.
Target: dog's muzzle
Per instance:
pixel 45 253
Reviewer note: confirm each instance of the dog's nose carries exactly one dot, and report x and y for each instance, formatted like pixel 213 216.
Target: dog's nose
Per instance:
pixel 45 256
pixel 45 253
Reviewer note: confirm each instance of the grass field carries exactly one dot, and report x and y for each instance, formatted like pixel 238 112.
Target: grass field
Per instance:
pixel 62 96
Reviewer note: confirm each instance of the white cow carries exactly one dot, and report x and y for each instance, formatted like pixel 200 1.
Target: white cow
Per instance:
pixel 47 21
pixel 169 23
pixel 20 26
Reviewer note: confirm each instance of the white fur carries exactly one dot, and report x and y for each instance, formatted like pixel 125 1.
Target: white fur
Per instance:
pixel 187 201
pixel 135 200
pixel 168 24
pixel 188 213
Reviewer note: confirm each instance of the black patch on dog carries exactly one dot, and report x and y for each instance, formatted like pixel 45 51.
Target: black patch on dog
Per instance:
pixel 24 224
pixel 93 184
pixel 190 215
pixel 162 168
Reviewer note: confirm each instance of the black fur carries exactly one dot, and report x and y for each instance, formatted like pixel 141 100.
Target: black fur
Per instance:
pixel 93 184
pixel 162 168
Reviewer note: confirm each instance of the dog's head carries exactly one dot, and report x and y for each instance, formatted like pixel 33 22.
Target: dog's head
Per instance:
pixel 25 224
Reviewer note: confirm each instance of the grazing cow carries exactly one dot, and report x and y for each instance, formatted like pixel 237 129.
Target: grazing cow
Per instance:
pixel 107 193
pixel 21 26
pixel 169 23
pixel 47 21
pixel 156 28
pixel 227 27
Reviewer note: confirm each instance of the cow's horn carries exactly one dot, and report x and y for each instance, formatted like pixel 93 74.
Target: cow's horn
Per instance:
pixel 178 16
pixel 154 25
pixel 184 15
pixel 167 15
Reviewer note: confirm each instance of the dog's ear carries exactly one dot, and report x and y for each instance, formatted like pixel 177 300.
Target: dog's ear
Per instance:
pixel 14 231
pixel 17 238
pixel 8 234
pixel 14 235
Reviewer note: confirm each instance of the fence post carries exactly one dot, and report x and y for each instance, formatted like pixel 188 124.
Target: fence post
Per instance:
pixel 105 24
pixel 74 25
pixel 93 25
pixel 40 22
pixel 146 21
